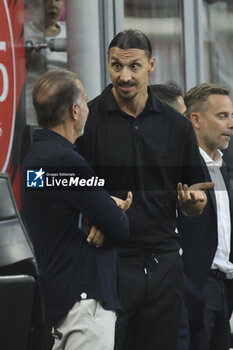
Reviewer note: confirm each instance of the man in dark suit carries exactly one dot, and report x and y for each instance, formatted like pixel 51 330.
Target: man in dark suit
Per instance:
pixel 78 271
pixel 207 239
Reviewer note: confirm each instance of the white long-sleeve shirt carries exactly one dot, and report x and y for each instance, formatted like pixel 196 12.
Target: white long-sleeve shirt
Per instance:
pixel 221 259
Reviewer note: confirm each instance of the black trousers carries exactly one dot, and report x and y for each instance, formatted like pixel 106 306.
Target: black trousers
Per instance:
pixel 218 295
pixel 151 296
pixel 191 315
pixel 184 333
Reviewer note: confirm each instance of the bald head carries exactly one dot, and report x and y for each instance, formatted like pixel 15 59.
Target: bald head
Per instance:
pixel 53 93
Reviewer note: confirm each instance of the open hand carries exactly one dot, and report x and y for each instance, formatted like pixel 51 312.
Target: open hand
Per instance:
pixel 124 204
pixel 193 199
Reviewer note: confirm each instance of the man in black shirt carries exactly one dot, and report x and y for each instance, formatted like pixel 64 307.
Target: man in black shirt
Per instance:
pixel 171 95
pixel 138 143
pixel 78 272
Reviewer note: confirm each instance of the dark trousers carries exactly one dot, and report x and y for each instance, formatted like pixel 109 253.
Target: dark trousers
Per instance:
pixel 218 309
pixel 151 295
pixel 191 315
pixel 184 334
pixel 218 295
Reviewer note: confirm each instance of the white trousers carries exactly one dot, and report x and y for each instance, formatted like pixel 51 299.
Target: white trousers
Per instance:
pixel 88 326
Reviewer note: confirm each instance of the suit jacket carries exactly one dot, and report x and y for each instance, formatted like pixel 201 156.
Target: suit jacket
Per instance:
pixel 199 235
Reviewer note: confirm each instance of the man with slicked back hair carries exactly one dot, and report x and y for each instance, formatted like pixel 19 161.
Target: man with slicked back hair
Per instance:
pixel 135 142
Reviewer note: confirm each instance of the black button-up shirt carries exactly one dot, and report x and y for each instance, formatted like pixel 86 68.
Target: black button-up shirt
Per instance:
pixel 149 155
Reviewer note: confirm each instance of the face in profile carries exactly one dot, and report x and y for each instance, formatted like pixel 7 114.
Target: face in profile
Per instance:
pixel 180 105
pixel 83 111
pixel 216 123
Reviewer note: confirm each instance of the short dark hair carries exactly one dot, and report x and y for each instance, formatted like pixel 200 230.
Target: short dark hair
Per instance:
pixel 166 93
pixel 132 39
pixel 53 93
pixel 197 96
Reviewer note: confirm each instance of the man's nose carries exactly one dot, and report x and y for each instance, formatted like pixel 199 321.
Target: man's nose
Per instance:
pixel 230 123
pixel 125 74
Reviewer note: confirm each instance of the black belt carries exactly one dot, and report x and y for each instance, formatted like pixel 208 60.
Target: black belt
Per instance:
pixel 220 275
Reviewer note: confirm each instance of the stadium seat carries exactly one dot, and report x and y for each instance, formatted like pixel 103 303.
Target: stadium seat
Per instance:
pixel 21 311
pixel 16 303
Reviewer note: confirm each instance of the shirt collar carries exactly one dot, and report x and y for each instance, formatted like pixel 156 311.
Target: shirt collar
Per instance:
pixel 44 135
pixel 217 161
pixel 110 104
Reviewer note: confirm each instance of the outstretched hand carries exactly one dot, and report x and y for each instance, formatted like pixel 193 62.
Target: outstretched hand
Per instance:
pixel 124 204
pixel 193 199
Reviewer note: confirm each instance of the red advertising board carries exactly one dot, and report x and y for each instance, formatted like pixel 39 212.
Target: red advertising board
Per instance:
pixel 8 85
pixel 12 77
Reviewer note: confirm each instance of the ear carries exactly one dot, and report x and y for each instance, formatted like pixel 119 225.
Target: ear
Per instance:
pixel 195 120
pixel 74 111
pixel 151 65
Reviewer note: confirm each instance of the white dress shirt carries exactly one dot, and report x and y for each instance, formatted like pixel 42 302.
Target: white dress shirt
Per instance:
pixel 221 259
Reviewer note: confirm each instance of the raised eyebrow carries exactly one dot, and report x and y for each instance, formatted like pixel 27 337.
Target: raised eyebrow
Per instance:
pixel 115 59
pixel 135 60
